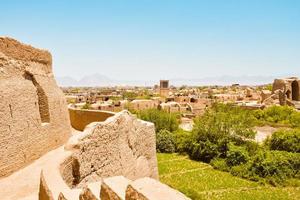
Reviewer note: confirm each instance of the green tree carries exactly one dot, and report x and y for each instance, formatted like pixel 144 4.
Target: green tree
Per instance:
pixel 161 119
pixel 216 128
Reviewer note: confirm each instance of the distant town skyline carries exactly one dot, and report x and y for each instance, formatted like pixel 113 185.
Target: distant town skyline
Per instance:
pixel 152 40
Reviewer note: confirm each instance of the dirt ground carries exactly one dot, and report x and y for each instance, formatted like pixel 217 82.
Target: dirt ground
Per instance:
pixel 24 184
pixel 263 132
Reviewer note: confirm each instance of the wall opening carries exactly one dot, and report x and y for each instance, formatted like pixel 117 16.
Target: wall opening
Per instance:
pixel 288 94
pixel 193 100
pixel 295 91
pixel 42 98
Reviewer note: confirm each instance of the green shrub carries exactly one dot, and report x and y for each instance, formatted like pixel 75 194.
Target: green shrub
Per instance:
pixel 295 119
pixel 220 164
pixel 269 87
pixel 129 95
pixel 285 140
pixel 276 166
pixel 278 114
pixel 259 115
pixel 236 155
pixel 204 151
pixel 165 142
pixel 182 140
pixel 216 128
pixel 162 119
pixel 222 137
pixel 251 147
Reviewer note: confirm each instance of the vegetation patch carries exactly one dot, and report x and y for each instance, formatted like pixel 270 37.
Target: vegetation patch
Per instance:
pixel 199 180
pixel 224 138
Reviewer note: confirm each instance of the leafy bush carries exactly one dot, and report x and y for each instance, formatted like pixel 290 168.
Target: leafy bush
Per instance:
pixel 295 119
pixel 162 119
pixel 285 140
pixel 182 140
pixel 222 137
pixel 220 164
pixel 269 87
pixel 216 128
pixel 278 114
pixel 276 166
pixel 204 151
pixel 236 155
pixel 242 170
pixel 165 142
pixel 129 95
pixel 259 114
pixel 252 147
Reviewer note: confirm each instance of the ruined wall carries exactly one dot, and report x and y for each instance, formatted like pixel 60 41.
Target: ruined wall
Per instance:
pixel 279 84
pixel 122 145
pixel 33 113
pixel 80 118
pixel 290 89
pixel 143 104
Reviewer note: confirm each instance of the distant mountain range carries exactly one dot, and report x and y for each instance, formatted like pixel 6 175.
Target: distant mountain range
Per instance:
pixel 101 80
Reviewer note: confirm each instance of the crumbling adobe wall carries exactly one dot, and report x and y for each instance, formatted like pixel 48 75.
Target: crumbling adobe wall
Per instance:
pixel 121 145
pixel 280 84
pixel 289 90
pixel 33 112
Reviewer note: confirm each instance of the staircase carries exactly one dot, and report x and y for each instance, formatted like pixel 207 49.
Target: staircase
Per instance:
pixel 115 188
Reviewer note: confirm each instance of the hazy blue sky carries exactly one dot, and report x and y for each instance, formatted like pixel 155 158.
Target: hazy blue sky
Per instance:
pixel 148 39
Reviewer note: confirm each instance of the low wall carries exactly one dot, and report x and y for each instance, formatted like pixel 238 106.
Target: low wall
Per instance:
pixel 121 145
pixel 80 118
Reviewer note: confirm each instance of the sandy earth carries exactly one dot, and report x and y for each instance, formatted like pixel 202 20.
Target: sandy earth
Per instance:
pixel 24 184
pixel 263 132
pixel 186 124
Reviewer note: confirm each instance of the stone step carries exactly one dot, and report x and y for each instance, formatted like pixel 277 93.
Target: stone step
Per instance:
pixel 150 189
pixel 114 188
pixel 70 194
pixel 91 192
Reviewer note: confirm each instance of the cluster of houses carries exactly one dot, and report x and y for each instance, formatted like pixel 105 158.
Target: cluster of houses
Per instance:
pixel 189 101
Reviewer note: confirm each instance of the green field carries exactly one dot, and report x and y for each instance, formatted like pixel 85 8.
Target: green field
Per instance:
pixel 199 180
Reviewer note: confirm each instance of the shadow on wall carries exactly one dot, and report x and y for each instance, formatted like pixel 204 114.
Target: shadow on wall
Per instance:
pixel 80 118
pixel 295 91
pixel 42 98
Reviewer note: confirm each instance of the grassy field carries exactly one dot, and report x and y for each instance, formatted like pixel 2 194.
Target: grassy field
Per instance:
pixel 198 180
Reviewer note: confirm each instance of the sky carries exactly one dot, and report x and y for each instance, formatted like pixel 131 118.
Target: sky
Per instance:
pixel 160 39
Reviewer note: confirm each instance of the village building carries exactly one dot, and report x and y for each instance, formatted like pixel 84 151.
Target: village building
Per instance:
pixel 143 104
pixel 290 89
pixel 164 88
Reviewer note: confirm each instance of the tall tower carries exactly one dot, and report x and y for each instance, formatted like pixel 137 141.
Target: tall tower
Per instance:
pixel 164 88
